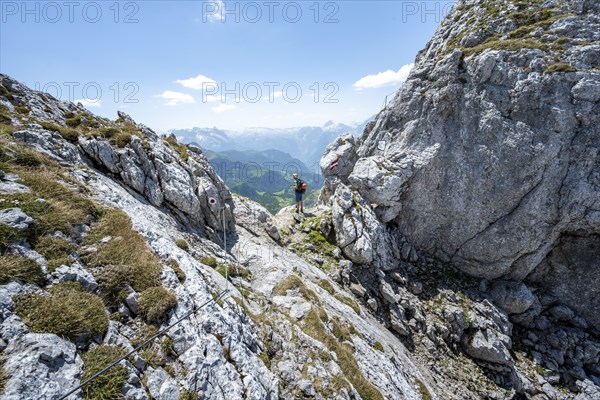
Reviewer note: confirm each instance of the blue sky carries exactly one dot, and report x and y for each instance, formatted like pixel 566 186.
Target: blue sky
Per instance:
pixel 169 63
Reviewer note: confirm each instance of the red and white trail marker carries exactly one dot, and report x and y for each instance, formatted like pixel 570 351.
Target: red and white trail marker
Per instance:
pixel 333 165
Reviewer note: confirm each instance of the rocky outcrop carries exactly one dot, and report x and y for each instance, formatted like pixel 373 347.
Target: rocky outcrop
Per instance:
pixel 155 170
pixel 336 164
pixel 488 156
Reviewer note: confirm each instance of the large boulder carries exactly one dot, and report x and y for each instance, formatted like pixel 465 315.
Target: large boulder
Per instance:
pixel 360 235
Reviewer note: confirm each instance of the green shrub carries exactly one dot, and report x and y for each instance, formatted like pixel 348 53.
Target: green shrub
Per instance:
pixel 326 285
pixel 67 312
pixel 155 303
pixel 5 119
pixel 55 250
pixel 349 302
pixel 20 269
pixel 182 244
pixel 210 261
pixel 123 260
pixel 108 386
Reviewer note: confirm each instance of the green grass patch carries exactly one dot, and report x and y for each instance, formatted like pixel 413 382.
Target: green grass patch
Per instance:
pixel 108 386
pixel 210 261
pixel 5 92
pixel 124 260
pixel 349 302
pixel 20 269
pixel 8 235
pixel 326 285
pixel 144 333
pixel 187 395
pixel 378 346
pixel 180 148
pixel 22 109
pixel 63 206
pixel 73 122
pixel 177 269
pixel 233 271
pixel 293 282
pixel 155 303
pixel 67 311
pixel 182 244
pixel 3 375
pixel 56 250
pixel 345 356
pixel 264 357
pixel 425 395
pixel 508 44
pixel 560 67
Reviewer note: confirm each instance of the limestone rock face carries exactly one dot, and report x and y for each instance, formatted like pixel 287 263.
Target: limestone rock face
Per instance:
pixel 336 164
pixel 41 366
pixel 155 170
pixel 488 157
pixel 360 235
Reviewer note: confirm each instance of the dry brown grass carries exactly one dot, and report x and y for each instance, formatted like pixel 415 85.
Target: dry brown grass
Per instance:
pixel 124 260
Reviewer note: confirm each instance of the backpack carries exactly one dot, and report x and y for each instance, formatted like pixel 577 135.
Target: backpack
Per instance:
pixel 301 186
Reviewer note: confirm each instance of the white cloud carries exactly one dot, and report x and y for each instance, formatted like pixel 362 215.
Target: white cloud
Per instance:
pixel 89 102
pixel 223 107
pixel 209 98
pixel 175 98
pixel 199 82
pixel 213 10
pixel 383 79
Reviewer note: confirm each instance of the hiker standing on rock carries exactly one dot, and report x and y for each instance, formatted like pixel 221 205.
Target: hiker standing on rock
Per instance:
pixel 299 189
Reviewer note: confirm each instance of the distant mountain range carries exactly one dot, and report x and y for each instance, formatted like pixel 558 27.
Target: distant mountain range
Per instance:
pixel 264 176
pixel 303 143
pixel 259 162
